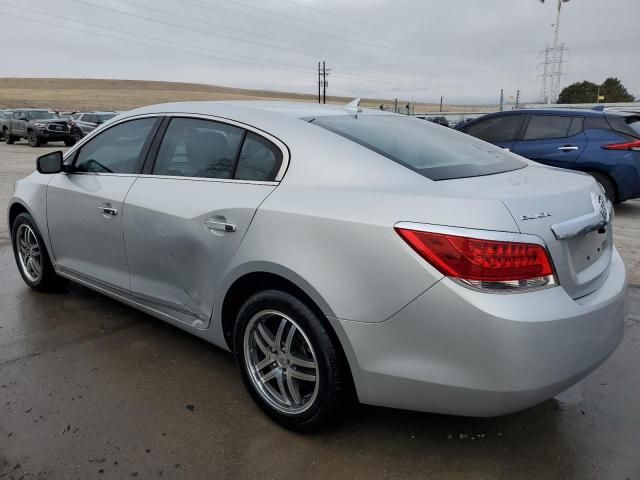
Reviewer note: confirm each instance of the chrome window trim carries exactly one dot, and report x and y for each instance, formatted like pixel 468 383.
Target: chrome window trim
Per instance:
pixel 105 126
pixel 207 179
pixel 275 140
pixel 496 235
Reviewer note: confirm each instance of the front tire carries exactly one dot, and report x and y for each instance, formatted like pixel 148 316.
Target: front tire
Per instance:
pixel 32 257
pixel 289 362
pixel 8 138
pixel 70 142
pixel 34 141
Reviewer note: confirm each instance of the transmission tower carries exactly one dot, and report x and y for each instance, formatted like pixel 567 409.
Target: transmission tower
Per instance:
pixel 554 61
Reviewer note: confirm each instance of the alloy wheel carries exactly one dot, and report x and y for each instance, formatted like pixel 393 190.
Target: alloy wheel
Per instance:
pixel 281 362
pixel 29 252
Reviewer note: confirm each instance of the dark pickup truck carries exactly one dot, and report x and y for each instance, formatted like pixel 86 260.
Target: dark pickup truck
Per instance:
pixel 37 126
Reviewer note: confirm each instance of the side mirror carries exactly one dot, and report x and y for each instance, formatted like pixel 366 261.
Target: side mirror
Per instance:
pixel 50 163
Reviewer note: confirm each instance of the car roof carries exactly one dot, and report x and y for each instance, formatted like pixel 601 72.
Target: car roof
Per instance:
pixel 277 108
pixel 554 111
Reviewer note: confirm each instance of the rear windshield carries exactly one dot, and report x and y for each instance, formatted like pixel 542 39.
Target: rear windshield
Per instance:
pixel 435 152
pixel 629 125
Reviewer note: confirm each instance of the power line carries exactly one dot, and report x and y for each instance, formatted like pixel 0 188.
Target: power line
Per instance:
pixel 151 37
pixel 332 14
pixel 206 32
pixel 299 19
pixel 162 47
pixel 291 27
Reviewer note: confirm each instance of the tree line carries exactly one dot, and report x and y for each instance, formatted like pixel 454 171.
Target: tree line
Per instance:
pixel 588 92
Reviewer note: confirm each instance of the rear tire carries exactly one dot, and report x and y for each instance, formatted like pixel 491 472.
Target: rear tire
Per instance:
pixel 298 376
pixel 607 184
pixel 32 257
pixel 34 141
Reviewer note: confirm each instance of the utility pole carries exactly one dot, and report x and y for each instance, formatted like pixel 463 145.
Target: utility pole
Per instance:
pixel 441 102
pixel 501 99
pixel 325 83
pixel 517 99
pixel 395 106
pixel 319 81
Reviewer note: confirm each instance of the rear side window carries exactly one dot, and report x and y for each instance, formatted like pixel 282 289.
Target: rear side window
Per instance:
pixel 116 150
pixel 435 152
pixel 595 123
pixel 259 159
pixel 193 147
pixel 496 129
pixel 629 125
pixel 548 126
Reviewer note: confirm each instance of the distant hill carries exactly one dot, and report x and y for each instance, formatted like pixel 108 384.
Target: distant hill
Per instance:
pixel 76 94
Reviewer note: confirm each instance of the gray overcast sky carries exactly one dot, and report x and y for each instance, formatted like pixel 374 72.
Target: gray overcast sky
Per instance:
pixel 465 50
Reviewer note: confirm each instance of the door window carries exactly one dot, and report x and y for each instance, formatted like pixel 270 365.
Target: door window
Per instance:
pixel 259 159
pixel 116 150
pixel 548 126
pixel 496 129
pixel 194 147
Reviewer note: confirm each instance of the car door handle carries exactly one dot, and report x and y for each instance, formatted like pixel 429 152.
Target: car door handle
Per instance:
pixel 567 148
pixel 107 211
pixel 222 226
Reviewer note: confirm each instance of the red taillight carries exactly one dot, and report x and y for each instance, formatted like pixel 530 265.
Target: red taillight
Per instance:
pixel 483 262
pixel 634 145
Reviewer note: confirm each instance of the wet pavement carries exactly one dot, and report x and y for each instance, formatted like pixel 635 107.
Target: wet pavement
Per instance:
pixel 90 388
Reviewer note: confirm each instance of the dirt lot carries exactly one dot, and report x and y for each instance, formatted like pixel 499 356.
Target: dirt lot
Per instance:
pixel 90 388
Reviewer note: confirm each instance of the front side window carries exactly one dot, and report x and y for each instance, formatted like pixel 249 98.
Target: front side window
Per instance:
pixel 117 149
pixel 259 159
pixel 192 147
pixel 547 126
pixel 496 129
pixel 432 151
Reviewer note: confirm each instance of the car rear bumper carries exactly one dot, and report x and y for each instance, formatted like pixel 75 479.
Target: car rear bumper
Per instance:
pixel 458 351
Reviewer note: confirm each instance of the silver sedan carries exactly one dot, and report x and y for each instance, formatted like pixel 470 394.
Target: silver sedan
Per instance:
pixel 341 254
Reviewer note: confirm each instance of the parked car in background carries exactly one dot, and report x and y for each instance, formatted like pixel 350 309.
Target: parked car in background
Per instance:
pixel 38 126
pixel 338 252
pixel 89 121
pixel 440 120
pixel 605 144
pixel 5 115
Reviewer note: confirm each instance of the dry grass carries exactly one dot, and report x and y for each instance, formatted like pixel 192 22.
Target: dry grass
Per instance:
pixel 83 94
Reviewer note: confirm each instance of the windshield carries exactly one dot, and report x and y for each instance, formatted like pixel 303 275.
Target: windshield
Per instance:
pixel 40 115
pixel 435 152
pixel 106 116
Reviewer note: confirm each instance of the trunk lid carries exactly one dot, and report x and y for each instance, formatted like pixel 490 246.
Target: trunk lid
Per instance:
pixel 564 208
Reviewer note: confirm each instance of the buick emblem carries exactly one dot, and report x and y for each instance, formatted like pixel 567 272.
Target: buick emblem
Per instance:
pixel 603 205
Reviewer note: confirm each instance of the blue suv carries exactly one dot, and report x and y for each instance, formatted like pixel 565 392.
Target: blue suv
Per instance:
pixel 605 144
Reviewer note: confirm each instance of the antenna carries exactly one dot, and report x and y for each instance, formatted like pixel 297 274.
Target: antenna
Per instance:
pixel 353 107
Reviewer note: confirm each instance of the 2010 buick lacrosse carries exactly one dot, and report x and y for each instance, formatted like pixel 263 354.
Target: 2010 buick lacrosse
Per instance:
pixel 339 253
